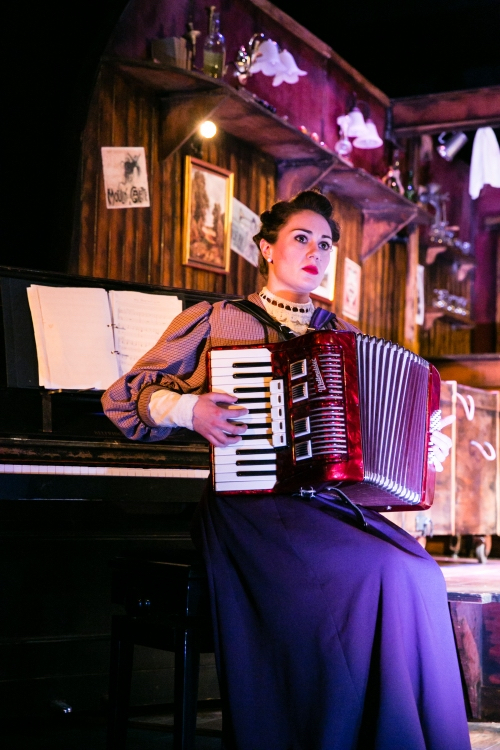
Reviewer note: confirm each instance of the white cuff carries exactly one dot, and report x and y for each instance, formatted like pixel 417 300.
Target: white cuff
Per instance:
pixel 170 409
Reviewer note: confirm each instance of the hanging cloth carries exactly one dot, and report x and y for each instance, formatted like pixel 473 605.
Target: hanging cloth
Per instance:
pixel 485 162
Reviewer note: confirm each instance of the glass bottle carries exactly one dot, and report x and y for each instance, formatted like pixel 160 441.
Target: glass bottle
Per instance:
pixel 410 191
pixel 214 49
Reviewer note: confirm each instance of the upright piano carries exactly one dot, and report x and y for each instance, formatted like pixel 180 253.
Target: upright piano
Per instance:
pixel 59 444
pixel 75 493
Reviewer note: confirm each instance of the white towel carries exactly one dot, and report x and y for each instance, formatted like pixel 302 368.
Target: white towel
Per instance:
pixel 485 162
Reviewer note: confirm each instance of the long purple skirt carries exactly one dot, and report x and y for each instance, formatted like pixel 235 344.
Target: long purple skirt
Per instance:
pixel 328 636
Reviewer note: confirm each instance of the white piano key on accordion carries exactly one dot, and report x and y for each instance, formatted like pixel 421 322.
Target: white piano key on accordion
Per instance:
pixel 253 483
pixel 225 382
pixel 223 469
pixel 251 354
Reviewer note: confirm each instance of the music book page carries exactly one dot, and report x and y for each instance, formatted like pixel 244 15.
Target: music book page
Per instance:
pixel 139 320
pixel 87 338
pixel 74 337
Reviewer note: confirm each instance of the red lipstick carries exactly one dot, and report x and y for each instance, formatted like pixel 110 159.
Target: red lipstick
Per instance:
pixel 311 269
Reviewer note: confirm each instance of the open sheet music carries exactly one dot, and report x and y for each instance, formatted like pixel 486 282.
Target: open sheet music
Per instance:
pixel 87 338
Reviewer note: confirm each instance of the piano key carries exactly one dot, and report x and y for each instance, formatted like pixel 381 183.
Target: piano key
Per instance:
pixel 253 403
pixel 237 450
pixel 252 483
pixel 240 355
pixel 237 370
pixel 253 418
pixel 234 470
pixel 223 382
pixel 234 459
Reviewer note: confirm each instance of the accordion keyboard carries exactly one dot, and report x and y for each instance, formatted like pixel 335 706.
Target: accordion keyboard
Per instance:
pixel 251 463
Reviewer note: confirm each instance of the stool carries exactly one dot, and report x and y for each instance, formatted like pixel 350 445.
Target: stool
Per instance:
pixel 167 607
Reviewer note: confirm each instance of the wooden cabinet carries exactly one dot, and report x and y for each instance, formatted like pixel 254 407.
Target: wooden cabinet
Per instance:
pixel 467 498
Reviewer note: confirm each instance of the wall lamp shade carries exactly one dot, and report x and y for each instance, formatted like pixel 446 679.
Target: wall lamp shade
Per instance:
pixel 271 62
pixel 371 139
pixel 354 126
pixel 357 125
pixel 450 144
pixel 291 72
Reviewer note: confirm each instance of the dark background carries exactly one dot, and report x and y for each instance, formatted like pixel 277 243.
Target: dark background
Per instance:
pixel 52 52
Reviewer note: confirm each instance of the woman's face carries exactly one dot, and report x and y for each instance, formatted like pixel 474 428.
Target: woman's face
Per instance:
pixel 299 256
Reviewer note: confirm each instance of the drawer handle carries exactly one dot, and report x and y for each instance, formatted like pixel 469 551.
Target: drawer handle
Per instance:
pixel 491 455
pixel 469 408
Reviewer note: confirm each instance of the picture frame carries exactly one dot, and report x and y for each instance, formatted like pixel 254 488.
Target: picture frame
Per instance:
pixel 326 289
pixel 208 193
pixel 352 289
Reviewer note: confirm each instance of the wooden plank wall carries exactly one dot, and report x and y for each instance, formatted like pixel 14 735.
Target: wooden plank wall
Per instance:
pixel 144 244
pixel 444 337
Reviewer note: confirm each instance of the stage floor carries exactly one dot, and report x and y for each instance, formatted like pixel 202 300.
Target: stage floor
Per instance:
pixel 468 576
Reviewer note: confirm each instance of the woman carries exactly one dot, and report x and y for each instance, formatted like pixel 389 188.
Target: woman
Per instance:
pixel 329 636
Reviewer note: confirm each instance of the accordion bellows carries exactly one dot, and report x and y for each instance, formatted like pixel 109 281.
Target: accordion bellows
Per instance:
pixel 330 409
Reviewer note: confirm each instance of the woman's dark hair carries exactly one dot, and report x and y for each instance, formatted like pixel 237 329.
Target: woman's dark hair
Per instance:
pixel 272 221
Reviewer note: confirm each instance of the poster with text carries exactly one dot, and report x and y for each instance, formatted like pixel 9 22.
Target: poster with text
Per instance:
pixel 243 227
pixel 352 289
pixel 125 177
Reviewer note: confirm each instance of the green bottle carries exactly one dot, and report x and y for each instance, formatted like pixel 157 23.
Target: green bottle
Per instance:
pixel 214 49
pixel 410 191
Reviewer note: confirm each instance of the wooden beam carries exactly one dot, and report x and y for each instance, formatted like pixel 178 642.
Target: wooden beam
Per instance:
pixel 433 113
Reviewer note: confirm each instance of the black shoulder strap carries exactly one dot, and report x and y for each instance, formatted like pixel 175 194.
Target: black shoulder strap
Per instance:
pixel 262 316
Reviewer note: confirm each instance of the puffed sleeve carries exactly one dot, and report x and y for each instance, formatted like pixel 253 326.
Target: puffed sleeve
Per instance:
pixel 177 362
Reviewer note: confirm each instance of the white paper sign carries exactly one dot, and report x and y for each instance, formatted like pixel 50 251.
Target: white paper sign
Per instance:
pixel 352 288
pixel 125 177
pixel 420 315
pixel 243 227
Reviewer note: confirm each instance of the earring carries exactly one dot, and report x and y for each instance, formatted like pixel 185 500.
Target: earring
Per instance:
pixel 269 260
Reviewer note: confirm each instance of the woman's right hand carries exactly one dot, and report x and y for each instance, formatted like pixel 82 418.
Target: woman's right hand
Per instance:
pixel 215 422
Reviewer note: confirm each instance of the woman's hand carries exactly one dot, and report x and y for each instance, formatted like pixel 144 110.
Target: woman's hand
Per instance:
pixel 215 422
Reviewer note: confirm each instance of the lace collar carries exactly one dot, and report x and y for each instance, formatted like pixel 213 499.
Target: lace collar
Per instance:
pixel 293 314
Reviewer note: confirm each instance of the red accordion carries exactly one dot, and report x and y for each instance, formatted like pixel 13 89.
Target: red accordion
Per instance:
pixel 330 409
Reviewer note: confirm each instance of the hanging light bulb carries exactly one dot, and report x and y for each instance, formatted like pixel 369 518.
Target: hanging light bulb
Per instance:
pixel 208 129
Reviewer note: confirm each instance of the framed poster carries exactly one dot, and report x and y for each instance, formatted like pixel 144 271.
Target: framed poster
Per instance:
pixel 352 289
pixel 326 290
pixel 208 193
pixel 125 176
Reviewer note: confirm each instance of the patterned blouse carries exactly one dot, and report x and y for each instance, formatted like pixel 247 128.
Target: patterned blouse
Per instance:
pixel 178 362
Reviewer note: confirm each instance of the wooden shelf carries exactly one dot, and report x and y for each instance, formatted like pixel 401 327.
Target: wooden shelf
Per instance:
pixel 190 97
pixel 457 321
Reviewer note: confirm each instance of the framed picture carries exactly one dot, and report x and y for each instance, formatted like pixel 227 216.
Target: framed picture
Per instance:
pixel 352 288
pixel 326 290
pixel 208 193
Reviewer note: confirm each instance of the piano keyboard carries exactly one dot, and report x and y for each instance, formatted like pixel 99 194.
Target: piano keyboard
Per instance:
pixel 103 471
pixel 251 463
